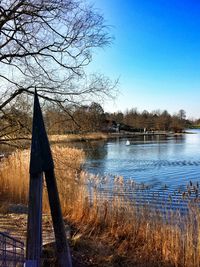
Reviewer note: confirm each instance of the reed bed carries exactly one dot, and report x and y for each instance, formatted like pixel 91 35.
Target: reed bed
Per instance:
pixel 119 232
pixel 14 174
pixel 78 137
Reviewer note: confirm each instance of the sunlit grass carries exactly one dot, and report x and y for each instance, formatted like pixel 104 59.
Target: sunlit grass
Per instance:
pixel 77 137
pixel 122 235
pixel 14 173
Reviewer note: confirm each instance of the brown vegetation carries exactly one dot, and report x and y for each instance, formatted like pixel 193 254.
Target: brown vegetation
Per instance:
pixel 77 137
pixel 108 233
pixel 14 173
pixel 92 118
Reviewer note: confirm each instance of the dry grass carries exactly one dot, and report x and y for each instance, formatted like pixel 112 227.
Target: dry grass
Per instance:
pixel 116 233
pixel 135 239
pixel 77 137
pixel 14 174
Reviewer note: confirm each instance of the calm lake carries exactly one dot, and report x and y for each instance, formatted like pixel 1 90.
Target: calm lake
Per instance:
pixel 158 161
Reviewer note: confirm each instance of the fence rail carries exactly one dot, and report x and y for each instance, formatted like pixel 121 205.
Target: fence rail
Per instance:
pixel 11 251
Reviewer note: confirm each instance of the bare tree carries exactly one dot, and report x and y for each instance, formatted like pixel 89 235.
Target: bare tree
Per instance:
pixel 47 44
pixel 182 114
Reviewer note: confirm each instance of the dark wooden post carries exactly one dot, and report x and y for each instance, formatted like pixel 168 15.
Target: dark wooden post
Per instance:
pixel 41 161
pixel 63 253
pixel 34 229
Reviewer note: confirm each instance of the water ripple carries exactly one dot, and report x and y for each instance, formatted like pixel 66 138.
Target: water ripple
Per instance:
pixel 163 163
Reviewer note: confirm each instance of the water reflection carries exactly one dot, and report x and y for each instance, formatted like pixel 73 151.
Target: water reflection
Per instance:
pixel 97 150
pixel 156 160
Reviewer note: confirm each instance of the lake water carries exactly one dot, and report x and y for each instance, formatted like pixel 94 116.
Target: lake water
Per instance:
pixel 158 161
pixel 165 169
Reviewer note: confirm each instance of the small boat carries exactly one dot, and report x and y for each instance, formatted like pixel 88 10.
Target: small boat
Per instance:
pixel 127 143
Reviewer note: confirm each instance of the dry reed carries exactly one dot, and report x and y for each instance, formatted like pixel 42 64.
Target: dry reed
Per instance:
pixel 132 237
pixel 14 174
pixel 77 137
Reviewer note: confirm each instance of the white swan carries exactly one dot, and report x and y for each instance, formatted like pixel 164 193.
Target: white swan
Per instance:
pixel 127 143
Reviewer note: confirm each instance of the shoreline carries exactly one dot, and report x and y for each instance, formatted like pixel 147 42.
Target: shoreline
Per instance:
pixel 87 137
pixel 103 136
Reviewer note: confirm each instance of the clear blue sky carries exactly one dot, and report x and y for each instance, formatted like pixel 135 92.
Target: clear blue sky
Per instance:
pixel 156 54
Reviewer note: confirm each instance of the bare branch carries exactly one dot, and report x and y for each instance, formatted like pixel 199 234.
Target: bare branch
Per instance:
pixel 47 44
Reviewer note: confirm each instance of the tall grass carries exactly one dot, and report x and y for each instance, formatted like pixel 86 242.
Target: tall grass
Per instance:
pixel 123 234
pixel 78 137
pixel 14 174
pixel 14 177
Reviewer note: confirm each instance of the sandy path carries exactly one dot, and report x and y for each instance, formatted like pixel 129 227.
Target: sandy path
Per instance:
pixel 15 225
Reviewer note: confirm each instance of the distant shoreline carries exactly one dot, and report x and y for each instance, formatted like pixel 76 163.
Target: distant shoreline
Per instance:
pixel 103 136
pixel 147 133
pixel 87 137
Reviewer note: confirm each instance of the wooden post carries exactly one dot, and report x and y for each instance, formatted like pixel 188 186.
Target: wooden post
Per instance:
pixel 34 226
pixel 41 161
pixel 34 229
pixel 63 253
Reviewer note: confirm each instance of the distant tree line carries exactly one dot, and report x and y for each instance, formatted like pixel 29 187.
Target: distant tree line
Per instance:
pixel 92 118
pixel 151 121
pixel 86 118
